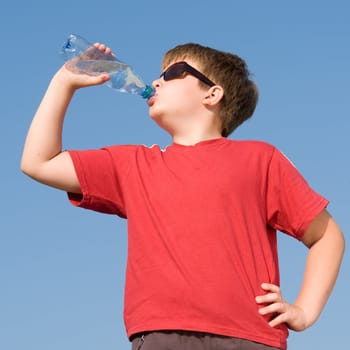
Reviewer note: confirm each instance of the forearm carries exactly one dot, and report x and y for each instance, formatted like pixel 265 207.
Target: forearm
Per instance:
pixel 43 159
pixel 321 271
pixel 326 249
pixel 44 138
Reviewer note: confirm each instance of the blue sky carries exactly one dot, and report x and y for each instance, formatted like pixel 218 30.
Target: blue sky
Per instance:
pixel 62 268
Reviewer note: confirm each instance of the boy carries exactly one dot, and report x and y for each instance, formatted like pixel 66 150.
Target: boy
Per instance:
pixel 202 269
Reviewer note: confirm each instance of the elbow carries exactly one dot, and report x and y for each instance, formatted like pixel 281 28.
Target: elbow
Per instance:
pixel 24 166
pixel 28 168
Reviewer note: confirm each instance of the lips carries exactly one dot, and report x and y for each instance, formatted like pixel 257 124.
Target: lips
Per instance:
pixel 151 101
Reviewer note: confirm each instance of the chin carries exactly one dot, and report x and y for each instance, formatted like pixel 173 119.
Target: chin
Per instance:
pixel 156 115
pixel 161 122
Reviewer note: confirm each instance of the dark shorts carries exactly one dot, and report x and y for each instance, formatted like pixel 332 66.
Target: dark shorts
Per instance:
pixel 183 340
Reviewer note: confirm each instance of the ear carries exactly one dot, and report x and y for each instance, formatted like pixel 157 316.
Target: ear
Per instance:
pixel 213 95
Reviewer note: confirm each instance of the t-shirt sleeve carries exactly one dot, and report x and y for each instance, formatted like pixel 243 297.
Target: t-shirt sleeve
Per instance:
pixel 101 174
pixel 291 203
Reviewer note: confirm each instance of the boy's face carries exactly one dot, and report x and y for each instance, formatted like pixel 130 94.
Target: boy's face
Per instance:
pixel 177 102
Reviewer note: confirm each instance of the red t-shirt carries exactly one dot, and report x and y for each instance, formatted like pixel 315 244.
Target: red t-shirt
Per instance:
pixel 202 224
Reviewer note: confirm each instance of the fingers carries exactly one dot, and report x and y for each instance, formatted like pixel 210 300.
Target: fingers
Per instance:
pixel 99 79
pixel 76 79
pixel 103 48
pixel 279 310
pixel 84 76
pixel 97 51
pixel 90 80
pixel 273 303
pixel 291 315
pixel 281 318
pixel 269 298
pixel 270 287
pixel 275 307
pixel 273 294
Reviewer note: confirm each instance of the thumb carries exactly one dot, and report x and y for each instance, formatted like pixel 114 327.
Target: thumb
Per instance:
pixel 102 78
pixel 95 79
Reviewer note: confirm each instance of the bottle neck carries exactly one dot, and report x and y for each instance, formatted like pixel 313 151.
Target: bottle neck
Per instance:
pixel 147 92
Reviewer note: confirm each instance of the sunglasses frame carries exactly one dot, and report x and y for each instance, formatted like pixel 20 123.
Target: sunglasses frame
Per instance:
pixel 186 68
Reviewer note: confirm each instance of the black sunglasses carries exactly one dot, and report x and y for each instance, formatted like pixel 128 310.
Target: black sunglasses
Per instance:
pixel 180 69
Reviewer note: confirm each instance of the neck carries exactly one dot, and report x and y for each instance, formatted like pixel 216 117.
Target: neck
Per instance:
pixel 192 138
pixel 189 130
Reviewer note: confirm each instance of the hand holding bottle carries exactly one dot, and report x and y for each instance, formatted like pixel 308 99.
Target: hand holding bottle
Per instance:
pixel 97 59
pixel 71 75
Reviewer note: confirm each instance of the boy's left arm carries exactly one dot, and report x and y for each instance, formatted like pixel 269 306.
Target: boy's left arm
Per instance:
pixel 326 248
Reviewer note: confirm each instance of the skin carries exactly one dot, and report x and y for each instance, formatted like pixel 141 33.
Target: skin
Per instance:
pixel 43 159
pixel 325 242
pixel 195 119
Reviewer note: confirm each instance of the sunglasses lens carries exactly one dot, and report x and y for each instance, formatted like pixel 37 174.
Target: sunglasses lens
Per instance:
pixel 175 71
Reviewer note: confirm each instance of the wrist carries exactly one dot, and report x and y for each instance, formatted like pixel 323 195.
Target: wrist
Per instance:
pixel 307 316
pixel 63 81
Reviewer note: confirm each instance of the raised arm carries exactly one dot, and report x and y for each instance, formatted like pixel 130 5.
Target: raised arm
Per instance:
pixel 326 248
pixel 43 159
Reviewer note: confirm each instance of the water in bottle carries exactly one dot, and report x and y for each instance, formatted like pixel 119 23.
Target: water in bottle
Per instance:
pixel 85 58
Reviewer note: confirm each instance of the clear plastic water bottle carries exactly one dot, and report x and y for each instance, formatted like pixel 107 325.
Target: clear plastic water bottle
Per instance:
pixel 85 58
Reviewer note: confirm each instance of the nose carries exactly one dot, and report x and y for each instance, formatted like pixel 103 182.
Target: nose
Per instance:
pixel 156 83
